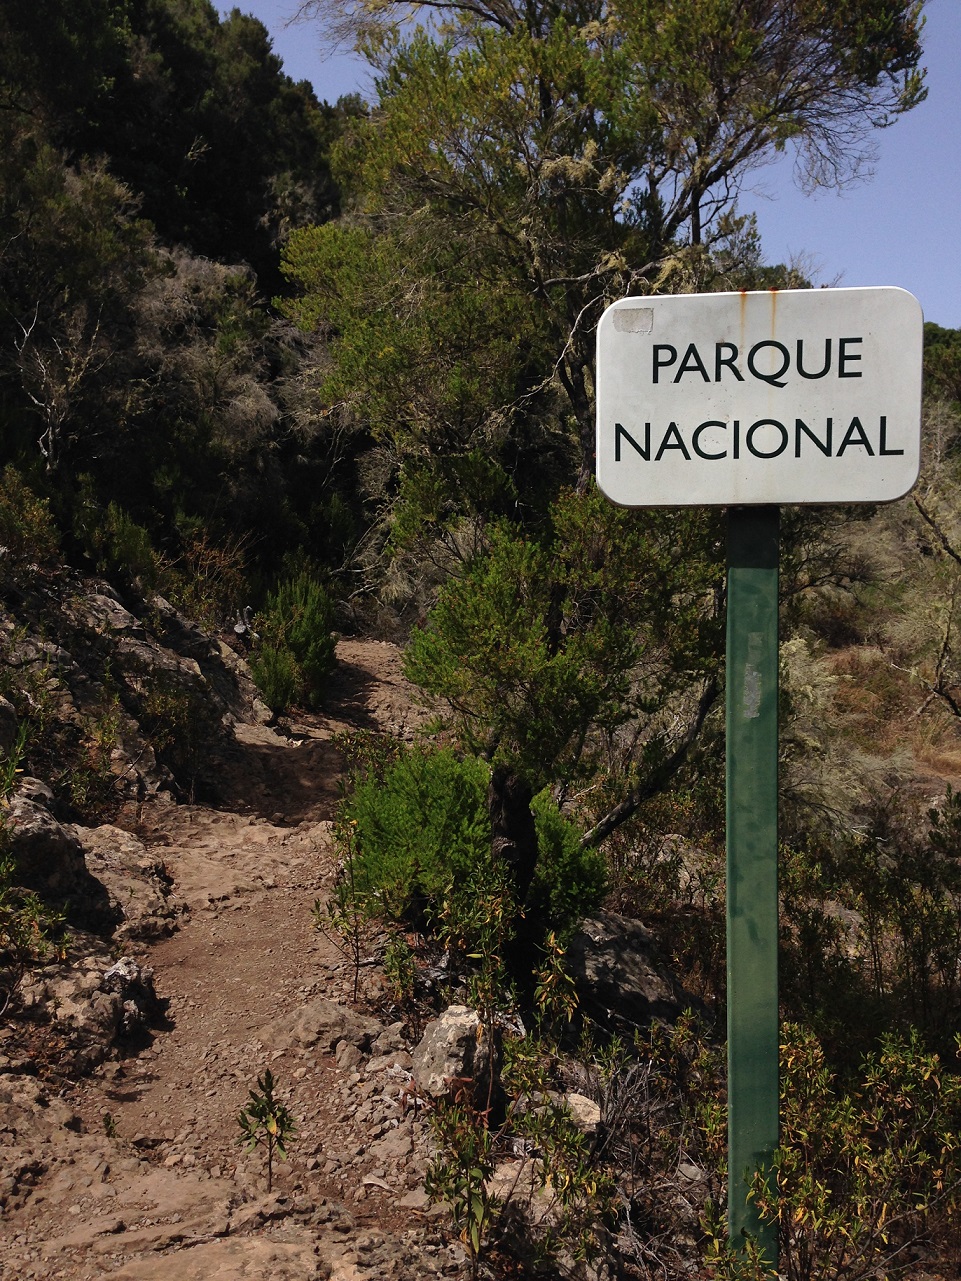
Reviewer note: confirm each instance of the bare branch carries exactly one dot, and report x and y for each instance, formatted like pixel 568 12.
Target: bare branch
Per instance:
pixel 938 531
pixel 659 777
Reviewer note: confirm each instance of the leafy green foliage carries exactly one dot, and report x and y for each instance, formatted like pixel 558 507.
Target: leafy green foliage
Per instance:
pixel 344 916
pixel 88 781
pixel 158 374
pixel 558 1199
pixel 122 550
pixel 353 282
pixel 296 653
pixel 570 881
pixel 870 935
pixel 193 109
pixel 28 535
pixel 428 431
pixel 275 671
pixel 459 1172
pixel 60 58
pixel 29 930
pixel 421 830
pixel 868 1171
pixel 430 354
pixel 48 748
pixel 208 582
pixel 862 1175
pixel 559 654
pixel 421 852
pixel 400 970
pixel 942 361
pixel 266 1121
pixel 568 152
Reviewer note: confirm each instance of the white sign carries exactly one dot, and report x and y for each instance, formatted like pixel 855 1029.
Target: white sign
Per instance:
pixel 785 396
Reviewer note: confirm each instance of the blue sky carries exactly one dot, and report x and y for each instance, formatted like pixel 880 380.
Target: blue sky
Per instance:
pixel 900 227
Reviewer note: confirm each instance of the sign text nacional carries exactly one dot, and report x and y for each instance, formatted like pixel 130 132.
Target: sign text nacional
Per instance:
pixel 781 396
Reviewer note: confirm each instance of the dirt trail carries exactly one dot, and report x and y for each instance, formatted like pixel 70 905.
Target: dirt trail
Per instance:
pixel 138 1174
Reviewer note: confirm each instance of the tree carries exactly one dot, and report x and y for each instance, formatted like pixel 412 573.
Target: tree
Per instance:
pixel 60 58
pixel 140 377
pixel 225 152
pixel 600 146
pixel 942 361
pixel 539 160
pixel 591 652
pixel 73 256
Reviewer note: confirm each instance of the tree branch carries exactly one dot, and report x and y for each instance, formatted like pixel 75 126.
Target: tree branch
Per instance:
pixel 939 532
pixel 658 778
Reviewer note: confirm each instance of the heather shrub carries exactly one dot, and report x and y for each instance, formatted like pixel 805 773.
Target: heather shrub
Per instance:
pixel 27 531
pixel 420 849
pixel 296 653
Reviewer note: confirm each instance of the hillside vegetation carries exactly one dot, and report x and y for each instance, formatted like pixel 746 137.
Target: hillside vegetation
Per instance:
pixel 274 369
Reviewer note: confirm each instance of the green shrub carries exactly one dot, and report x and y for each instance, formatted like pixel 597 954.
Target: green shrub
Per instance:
pixel 893 959
pixel 563 1202
pixel 275 671
pixel 297 651
pixel 120 548
pixel 421 843
pixel 421 832
pixel 569 882
pixel 27 532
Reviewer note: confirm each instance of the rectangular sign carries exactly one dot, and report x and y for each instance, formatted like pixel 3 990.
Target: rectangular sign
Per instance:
pixel 781 396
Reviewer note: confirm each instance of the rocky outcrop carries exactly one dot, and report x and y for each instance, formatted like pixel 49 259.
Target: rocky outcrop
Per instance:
pixel 325 1024
pixel 225 672
pixel 137 883
pixel 48 859
pixel 160 692
pixel 622 980
pixel 94 1003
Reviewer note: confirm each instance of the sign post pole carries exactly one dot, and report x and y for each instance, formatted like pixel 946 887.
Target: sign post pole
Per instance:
pixel 752 902
pixel 748 401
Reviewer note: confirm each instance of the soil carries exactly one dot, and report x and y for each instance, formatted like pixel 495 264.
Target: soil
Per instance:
pixel 135 1171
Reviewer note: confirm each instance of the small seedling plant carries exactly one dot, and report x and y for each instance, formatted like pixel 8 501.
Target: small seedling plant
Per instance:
pixel 461 1169
pixel 266 1122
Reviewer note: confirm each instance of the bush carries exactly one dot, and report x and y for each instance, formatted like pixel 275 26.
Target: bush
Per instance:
pixel 867 1180
pixel 569 882
pixel 421 842
pixel 208 580
pixel 119 547
pixel 891 957
pixel 297 651
pixel 420 832
pixel 275 671
pixel 27 532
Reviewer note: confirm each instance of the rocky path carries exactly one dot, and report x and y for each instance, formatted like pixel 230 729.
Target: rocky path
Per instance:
pixel 135 1172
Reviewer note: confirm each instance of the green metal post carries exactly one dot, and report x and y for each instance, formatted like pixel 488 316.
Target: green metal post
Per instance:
pixel 752 905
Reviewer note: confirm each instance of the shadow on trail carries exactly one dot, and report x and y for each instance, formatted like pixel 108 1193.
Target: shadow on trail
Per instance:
pixel 292 774
pixel 285 782
pixel 347 697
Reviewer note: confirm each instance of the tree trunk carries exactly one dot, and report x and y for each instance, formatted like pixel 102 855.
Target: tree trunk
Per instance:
pixel 513 835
